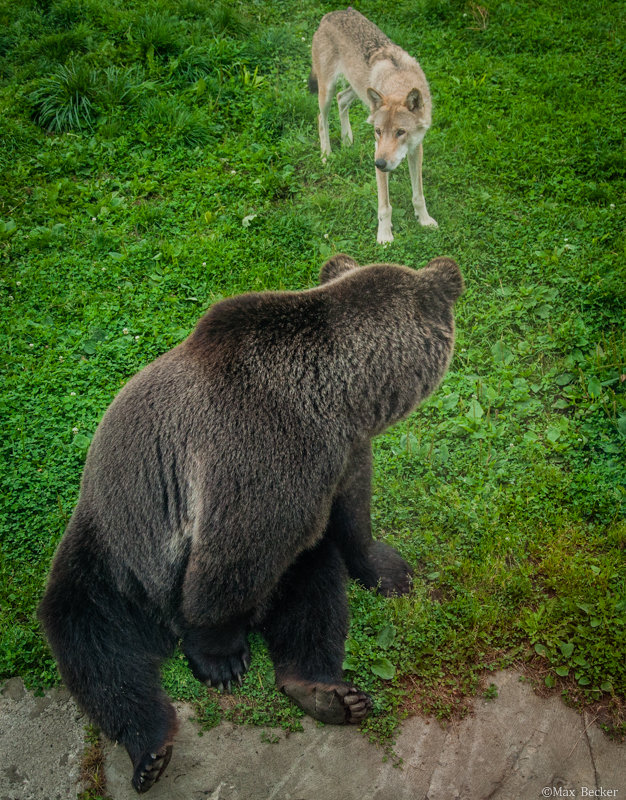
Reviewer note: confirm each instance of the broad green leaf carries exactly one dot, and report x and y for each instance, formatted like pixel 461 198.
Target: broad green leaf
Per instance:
pixel 383 668
pixel 450 401
pixel 594 387
pixel 7 229
pixel 613 449
pixel 386 635
pixel 81 441
pixel 500 352
pixel 553 433
pixel 475 410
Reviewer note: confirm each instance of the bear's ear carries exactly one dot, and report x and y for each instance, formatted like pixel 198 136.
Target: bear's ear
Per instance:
pixel 336 266
pixel 449 278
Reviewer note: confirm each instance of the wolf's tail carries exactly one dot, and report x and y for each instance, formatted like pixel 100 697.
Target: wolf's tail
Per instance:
pixel 313 87
pixel 108 648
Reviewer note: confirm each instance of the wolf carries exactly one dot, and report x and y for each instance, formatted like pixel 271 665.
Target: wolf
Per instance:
pixel 391 83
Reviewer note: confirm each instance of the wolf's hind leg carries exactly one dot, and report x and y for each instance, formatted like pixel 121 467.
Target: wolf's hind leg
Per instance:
pixel 344 101
pixel 325 99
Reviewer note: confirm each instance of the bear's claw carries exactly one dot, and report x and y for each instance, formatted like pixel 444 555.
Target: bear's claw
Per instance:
pixel 150 768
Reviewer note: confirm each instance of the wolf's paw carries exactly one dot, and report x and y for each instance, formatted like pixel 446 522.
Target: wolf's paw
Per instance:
pixel 427 221
pixel 332 703
pixel 150 767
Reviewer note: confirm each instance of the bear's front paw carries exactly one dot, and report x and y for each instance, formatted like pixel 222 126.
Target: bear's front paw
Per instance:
pixel 393 573
pixel 150 767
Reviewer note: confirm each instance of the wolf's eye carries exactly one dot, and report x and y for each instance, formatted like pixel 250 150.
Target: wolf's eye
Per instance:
pixel 400 132
pixel 377 131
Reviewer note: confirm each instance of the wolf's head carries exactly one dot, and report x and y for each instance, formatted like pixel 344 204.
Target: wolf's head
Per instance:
pixel 400 124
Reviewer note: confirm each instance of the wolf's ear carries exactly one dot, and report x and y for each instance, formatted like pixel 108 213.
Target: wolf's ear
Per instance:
pixel 336 266
pixel 414 100
pixel 376 99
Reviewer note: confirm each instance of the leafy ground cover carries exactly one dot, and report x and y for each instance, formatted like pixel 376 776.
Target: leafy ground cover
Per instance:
pixel 157 156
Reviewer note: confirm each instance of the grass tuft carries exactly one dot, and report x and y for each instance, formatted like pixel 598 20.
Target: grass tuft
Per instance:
pixel 158 34
pixel 61 45
pixel 176 123
pixel 66 99
pixel 226 20
pixel 122 86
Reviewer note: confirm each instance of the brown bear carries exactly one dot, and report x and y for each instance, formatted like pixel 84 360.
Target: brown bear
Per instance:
pixel 227 488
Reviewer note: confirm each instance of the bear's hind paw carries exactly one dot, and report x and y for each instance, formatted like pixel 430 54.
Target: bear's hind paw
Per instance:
pixel 334 704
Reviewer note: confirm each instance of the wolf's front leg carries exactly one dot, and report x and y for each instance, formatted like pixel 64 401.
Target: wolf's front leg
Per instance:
pixel 419 203
pixel 384 208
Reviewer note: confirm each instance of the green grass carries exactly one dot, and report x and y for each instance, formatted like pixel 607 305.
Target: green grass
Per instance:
pixel 158 156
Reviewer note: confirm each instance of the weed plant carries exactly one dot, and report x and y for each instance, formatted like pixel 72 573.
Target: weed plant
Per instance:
pixel 65 99
pixel 159 156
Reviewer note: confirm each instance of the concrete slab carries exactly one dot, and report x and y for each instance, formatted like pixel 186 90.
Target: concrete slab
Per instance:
pixel 239 763
pixel 42 740
pixel 519 746
pixel 516 747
